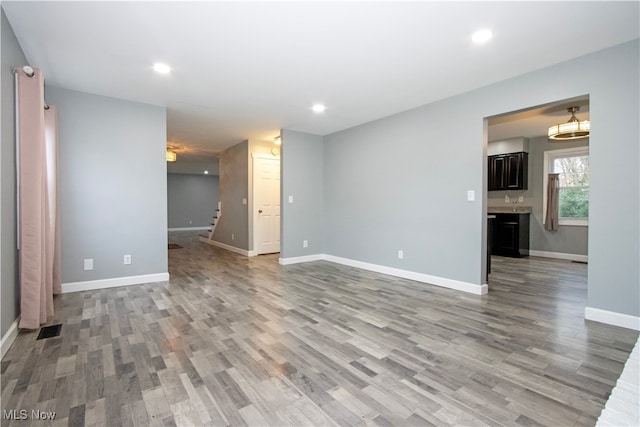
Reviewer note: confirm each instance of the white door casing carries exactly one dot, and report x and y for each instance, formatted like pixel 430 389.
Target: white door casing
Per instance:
pixel 266 204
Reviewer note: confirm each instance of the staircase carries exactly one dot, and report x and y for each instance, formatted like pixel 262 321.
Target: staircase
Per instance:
pixel 216 219
pixel 622 408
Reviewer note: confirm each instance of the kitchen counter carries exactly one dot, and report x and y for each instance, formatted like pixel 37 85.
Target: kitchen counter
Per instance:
pixel 508 209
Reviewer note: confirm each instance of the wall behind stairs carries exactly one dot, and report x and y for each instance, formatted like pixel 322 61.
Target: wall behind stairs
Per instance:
pixel 191 200
pixel 233 227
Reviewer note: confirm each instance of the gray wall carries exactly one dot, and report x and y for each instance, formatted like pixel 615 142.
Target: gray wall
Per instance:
pixel 113 185
pixel 233 228
pixel 568 239
pixel 401 182
pixel 302 160
pixel 191 199
pixel 12 56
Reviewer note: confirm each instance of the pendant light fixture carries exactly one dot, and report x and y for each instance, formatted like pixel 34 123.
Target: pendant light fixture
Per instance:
pixel 573 129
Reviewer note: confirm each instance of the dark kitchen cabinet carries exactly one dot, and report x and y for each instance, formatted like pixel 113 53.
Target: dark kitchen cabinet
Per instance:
pixel 508 171
pixel 510 235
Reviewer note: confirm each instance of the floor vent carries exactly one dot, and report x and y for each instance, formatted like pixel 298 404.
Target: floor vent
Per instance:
pixel 49 332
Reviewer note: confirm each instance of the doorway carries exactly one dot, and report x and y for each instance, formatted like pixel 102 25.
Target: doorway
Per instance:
pixel 527 129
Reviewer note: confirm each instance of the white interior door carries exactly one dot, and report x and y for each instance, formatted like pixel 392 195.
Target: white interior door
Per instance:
pixel 266 193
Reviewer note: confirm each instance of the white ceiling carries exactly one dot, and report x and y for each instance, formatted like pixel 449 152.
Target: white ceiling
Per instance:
pixel 244 70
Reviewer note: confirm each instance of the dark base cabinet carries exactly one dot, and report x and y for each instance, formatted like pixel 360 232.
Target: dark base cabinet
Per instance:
pixel 510 235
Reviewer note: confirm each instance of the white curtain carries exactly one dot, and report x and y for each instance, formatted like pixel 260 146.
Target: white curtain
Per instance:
pixel 38 222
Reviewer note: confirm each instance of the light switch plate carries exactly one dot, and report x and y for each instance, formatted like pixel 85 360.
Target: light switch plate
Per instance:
pixel 88 264
pixel 290 199
pixel 471 195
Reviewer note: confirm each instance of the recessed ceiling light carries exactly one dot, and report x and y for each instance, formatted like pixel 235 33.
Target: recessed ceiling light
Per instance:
pixel 318 108
pixel 161 68
pixel 481 36
pixel 206 172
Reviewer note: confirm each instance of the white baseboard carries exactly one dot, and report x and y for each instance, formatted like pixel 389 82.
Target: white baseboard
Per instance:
pixel 228 247
pixel 300 259
pixel 113 283
pixel 9 337
pixel 405 274
pixel 190 228
pixel 612 318
pixel 412 275
pixel 559 255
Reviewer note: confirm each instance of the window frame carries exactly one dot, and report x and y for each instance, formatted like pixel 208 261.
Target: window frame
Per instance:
pixel 550 156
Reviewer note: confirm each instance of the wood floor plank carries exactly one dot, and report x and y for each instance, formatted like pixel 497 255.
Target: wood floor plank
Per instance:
pixel 234 341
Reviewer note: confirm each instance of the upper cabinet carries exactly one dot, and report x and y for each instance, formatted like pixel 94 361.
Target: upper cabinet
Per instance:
pixel 508 171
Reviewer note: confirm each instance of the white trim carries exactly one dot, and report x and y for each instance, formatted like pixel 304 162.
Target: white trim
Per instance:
pixel 412 275
pixel 114 282
pixel 300 259
pixel 228 247
pixel 188 228
pixel 405 274
pixel 575 222
pixel 612 318
pixel 9 337
pixel 559 255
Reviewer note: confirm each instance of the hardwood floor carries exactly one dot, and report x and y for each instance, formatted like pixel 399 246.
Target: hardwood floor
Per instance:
pixel 231 340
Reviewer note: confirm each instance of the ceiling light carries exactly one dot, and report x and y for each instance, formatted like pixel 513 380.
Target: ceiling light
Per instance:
pixel 481 36
pixel 318 108
pixel 277 140
pixel 206 172
pixel 161 68
pixel 573 129
pixel 171 156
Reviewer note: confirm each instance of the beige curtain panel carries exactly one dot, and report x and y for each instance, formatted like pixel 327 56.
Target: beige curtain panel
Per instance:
pixel 38 223
pixel 553 192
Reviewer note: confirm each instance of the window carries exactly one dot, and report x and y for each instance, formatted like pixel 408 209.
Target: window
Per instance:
pixel 572 165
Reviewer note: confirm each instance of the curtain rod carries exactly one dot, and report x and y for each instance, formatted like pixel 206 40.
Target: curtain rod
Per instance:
pixel 27 70
pixel 30 73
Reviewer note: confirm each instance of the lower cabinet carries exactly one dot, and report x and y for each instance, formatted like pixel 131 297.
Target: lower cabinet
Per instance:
pixel 510 235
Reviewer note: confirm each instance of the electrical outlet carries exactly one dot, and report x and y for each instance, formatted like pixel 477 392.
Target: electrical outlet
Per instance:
pixel 521 199
pixel 127 259
pixel 305 243
pixel 233 236
pixel 400 254
pixel 88 264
